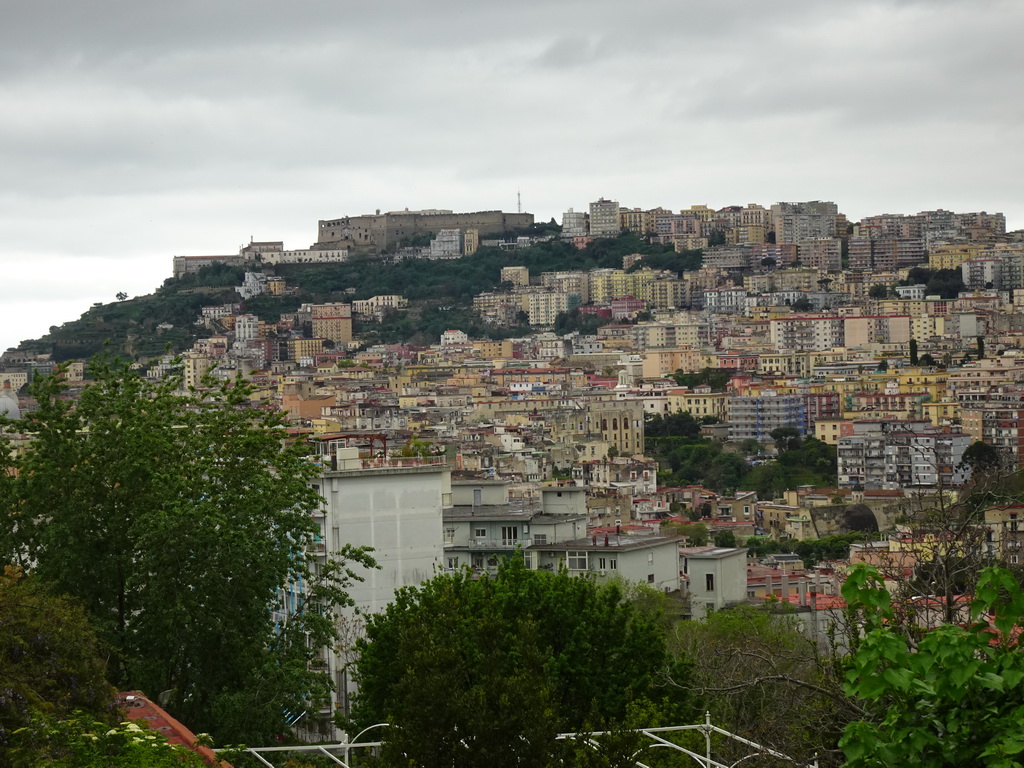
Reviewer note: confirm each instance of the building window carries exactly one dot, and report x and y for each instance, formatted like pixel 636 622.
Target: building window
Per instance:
pixel 709 582
pixel 650 578
pixel 453 563
pixel 449 535
pixel 540 538
pixel 613 564
pixel 602 563
pixel 577 561
pixel 480 533
pixel 509 535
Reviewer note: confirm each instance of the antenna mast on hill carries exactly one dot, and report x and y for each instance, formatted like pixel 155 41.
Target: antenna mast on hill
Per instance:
pixel 519 202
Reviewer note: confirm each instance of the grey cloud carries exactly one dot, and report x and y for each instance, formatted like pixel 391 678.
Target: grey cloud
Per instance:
pixel 136 129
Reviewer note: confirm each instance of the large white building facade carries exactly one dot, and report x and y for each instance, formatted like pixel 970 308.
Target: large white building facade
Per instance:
pixel 395 507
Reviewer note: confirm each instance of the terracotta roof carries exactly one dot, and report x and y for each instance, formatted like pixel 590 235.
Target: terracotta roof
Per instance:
pixel 137 707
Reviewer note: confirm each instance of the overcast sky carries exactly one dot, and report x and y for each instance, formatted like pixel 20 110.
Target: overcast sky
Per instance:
pixel 133 130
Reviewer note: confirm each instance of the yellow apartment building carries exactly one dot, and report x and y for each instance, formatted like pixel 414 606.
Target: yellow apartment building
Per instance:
pixel 952 256
pixel 699 402
pixel 942 413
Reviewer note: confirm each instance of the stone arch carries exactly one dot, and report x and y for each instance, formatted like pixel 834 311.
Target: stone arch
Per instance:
pixel 859 518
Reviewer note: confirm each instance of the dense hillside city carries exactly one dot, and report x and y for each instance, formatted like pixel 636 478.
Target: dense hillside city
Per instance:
pixel 739 442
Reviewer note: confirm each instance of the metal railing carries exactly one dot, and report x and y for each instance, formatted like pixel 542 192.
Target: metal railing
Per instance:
pixel 656 739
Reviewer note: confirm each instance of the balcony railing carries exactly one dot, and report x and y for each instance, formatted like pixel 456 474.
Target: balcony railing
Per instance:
pixel 475 543
pixel 395 462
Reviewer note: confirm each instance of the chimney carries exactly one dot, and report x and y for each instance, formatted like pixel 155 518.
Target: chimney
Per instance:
pixel 785 585
pixel 595 539
pixel 801 591
pixel 606 539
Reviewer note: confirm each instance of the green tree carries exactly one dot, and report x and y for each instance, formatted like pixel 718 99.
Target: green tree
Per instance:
pixel 878 291
pixel 725 539
pixel 982 458
pixel 763 678
pixel 81 742
pixel 51 663
pixel 951 696
pixel 716 378
pixel 913 352
pixel 696 533
pixel 487 671
pixel 786 438
pixel 946 283
pixel 179 520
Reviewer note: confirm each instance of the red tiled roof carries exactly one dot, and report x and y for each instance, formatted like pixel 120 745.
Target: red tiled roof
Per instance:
pixel 138 707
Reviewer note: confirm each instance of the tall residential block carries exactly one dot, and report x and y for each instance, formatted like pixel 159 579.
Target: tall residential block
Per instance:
pixel 604 218
pixel 575 224
pixel 797 222
pixel 332 321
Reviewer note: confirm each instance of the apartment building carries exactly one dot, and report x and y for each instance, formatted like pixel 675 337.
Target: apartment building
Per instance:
pixel 755 416
pixel 517 276
pixel 575 283
pixel 650 560
pixel 332 321
pixel 876 329
pixel 821 253
pixel 576 224
pixel 902 455
pixel 798 222
pixel 543 305
pixel 716 578
pixel 392 505
pixel 806 333
pixel 699 402
pixel 604 218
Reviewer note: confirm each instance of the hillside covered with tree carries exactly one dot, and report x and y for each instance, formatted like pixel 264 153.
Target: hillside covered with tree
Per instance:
pixel 440 294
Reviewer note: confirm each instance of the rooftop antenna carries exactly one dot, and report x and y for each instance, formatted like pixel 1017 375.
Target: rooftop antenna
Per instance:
pixel 519 202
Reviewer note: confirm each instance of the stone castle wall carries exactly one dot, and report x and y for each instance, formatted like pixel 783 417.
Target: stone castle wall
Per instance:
pixel 383 231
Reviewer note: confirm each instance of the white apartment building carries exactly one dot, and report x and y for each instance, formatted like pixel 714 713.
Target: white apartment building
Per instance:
pixel 306 256
pixel 716 577
pixel 806 334
pixel 447 244
pixel 576 223
pixel 454 337
pixel 394 506
pixel 247 328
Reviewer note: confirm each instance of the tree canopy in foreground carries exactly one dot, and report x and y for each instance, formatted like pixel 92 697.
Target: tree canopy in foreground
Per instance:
pixel 178 519
pixel 488 671
pixel 948 696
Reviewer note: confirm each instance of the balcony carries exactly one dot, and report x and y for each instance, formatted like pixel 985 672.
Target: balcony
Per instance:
pixel 384 465
pixel 490 544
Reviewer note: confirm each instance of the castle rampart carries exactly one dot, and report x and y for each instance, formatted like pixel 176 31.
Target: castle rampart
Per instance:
pixel 383 231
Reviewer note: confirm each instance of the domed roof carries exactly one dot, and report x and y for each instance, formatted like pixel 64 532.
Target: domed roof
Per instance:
pixel 9 402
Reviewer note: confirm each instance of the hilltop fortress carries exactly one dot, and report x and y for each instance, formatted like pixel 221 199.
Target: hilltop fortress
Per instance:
pixel 367 235
pixel 378 232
